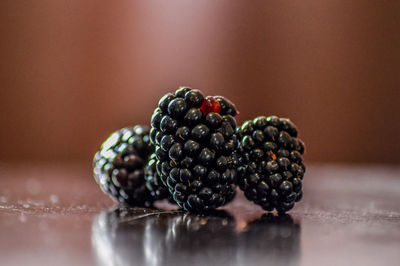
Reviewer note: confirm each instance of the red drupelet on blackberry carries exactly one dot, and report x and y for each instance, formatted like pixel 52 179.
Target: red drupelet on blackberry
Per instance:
pixel 271 164
pixel 195 148
pixel 119 166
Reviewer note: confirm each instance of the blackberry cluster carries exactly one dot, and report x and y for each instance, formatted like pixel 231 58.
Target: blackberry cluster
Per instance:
pixel 271 165
pixel 195 148
pixel 119 166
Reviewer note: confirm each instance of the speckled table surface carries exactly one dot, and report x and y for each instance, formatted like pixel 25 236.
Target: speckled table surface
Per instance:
pixel 56 215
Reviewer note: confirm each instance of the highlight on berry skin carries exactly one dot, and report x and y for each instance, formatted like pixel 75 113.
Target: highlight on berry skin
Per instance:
pixel 271 166
pixel 195 148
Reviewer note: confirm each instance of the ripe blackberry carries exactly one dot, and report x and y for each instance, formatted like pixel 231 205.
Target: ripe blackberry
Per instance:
pixel 119 166
pixel 195 148
pixel 271 164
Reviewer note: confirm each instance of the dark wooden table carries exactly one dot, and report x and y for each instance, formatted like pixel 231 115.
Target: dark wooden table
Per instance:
pixel 55 214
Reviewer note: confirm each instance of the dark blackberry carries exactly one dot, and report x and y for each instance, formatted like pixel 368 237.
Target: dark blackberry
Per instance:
pixel 271 164
pixel 119 166
pixel 195 143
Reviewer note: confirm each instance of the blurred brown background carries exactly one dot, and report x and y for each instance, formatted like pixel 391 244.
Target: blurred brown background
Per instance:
pixel 74 71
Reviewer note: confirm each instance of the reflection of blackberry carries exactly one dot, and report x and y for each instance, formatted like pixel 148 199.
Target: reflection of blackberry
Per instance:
pixel 186 239
pixel 272 237
pixel 195 147
pixel 117 236
pixel 118 166
pixel 126 236
pixel 271 165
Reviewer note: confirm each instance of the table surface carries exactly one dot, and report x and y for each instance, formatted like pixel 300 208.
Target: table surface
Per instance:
pixel 54 214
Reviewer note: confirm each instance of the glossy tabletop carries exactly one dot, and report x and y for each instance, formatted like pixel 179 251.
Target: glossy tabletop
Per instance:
pixel 54 214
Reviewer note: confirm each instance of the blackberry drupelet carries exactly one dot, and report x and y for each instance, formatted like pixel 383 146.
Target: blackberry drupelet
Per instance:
pixel 119 166
pixel 153 182
pixel 196 148
pixel 271 164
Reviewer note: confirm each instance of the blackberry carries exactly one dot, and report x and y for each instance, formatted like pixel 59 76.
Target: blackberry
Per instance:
pixel 271 164
pixel 195 144
pixel 119 166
